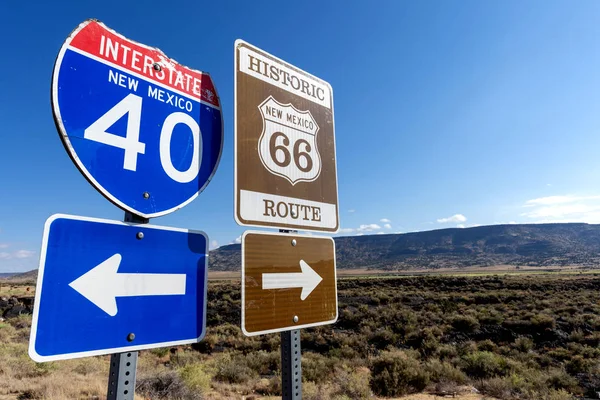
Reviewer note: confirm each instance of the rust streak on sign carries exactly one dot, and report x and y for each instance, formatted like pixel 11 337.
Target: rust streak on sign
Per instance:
pixel 286 286
pixel 285 163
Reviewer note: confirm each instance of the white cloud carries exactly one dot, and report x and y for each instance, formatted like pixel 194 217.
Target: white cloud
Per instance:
pixel 554 200
pixel 567 208
pixel 387 226
pixel 351 211
pixel 214 244
pixel 385 220
pixel 346 230
pixel 368 228
pixel 460 225
pixel 380 233
pixel 359 234
pixel 548 184
pixel 18 254
pixel 3 245
pixel 454 218
pixel 23 253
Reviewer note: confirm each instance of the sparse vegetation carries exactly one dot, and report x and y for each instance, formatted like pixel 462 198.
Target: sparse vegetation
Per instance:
pixel 510 337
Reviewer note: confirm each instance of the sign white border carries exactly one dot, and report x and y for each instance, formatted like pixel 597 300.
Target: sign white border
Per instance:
pixel 73 155
pixel 236 190
pixel 38 294
pixel 295 326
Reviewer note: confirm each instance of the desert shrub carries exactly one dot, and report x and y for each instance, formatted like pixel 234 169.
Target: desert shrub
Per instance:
pixel 88 365
pixel 524 344
pixel 21 321
pixel 490 317
pixel 559 379
pixel 465 323
pixel 466 348
pixel 182 358
pixel 483 364
pixel 382 338
pixel 233 369
pixel 160 352
pixel 310 391
pixel 560 354
pixel 496 387
pixel 316 367
pixel 403 322
pixel 578 364
pixel 592 340
pixel 446 352
pixel 487 345
pixel 558 395
pixel 576 336
pixel 195 378
pixel 165 385
pixel 424 340
pixel 447 305
pixel 542 322
pixel 263 362
pixel 206 345
pixel 270 387
pixel 7 332
pixel 346 352
pixel 352 383
pixel 441 371
pixel 14 360
pixel 395 374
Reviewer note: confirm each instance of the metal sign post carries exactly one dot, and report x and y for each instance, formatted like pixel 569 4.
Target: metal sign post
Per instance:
pixel 291 365
pixel 121 377
pixel 291 361
pixel 123 366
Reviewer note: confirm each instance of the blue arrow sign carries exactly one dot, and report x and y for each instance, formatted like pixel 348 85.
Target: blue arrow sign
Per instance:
pixel 144 130
pixel 100 281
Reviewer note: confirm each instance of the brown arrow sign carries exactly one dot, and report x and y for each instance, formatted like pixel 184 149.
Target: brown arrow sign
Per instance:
pixel 288 282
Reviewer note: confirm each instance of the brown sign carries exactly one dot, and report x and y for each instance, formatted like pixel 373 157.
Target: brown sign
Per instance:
pixel 288 282
pixel 285 166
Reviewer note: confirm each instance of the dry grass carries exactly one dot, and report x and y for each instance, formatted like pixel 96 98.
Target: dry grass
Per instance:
pixel 8 289
pixel 446 328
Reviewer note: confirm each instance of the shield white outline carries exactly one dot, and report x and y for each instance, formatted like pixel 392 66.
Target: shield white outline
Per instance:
pixel 262 135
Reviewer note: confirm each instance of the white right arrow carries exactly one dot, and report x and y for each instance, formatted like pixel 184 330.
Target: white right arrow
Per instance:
pixel 308 280
pixel 102 284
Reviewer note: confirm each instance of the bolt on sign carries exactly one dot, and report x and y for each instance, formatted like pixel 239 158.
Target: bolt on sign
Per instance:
pixel 288 282
pixel 285 164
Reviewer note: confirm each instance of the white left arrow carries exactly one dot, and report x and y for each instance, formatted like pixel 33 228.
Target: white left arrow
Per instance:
pixel 102 284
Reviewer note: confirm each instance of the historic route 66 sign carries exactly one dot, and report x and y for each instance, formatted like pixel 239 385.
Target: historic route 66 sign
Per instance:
pixel 285 164
pixel 287 146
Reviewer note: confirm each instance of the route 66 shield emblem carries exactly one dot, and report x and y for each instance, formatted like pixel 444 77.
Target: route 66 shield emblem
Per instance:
pixel 287 145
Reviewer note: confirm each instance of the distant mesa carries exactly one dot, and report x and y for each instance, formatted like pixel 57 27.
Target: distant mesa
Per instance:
pixel 532 245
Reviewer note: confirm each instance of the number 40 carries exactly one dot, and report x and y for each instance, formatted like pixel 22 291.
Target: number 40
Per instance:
pixel 132 105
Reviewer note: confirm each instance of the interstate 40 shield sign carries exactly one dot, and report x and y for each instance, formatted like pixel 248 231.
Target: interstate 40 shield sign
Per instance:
pixel 285 166
pixel 144 130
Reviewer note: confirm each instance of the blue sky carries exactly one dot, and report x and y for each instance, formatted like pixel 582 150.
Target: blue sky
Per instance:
pixel 455 113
